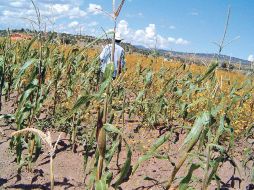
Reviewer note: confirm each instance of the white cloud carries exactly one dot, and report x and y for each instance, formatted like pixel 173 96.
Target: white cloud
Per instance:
pixel 123 28
pixel 17 4
pixel 251 58
pixel 171 40
pixel 145 37
pixel 148 36
pixel 15 13
pixel 8 13
pixel 94 8
pixel 73 24
pixel 76 12
pixel 181 41
pixel 60 8
pixel 67 15
pixel 139 37
pixel 63 10
pixel 162 42
pixel 150 31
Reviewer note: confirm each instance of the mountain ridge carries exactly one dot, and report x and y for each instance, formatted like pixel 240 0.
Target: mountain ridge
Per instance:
pixel 198 58
pixel 198 55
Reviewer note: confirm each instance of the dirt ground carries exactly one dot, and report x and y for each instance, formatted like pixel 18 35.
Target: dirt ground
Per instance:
pixel 68 166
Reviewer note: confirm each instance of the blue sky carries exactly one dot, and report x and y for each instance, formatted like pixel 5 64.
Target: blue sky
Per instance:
pixel 180 25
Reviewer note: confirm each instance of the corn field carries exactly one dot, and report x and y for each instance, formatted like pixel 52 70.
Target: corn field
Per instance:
pixel 61 83
pixel 57 88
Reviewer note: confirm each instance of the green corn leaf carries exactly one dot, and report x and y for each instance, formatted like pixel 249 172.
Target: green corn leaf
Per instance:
pixel 187 179
pixel 101 185
pixel 108 71
pixel 25 66
pixel 111 128
pixel 43 95
pixel 23 69
pixel 179 92
pixel 38 146
pixel 103 87
pixel 18 140
pixel 148 78
pixel 111 152
pixel 152 152
pixel 21 116
pixel 215 110
pixel 215 166
pixel 142 159
pixel 162 157
pixel 140 95
pixel 125 170
pixel 160 141
pixel 83 100
pixel 220 129
pixel 92 177
pixel 1 67
pixel 25 54
pixel 208 72
pixel 107 177
pixel 184 112
pixel 25 96
pixel 7 116
pixel 195 132
pixel 219 147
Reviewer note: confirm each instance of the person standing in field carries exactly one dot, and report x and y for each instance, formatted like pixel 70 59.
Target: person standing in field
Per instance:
pixel 119 57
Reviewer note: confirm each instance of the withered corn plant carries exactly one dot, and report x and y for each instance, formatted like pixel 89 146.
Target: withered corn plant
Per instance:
pixel 8 66
pixel 211 137
pixel 32 92
pixel 46 138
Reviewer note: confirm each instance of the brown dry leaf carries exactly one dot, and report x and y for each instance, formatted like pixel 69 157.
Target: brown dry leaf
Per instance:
pixel 43 136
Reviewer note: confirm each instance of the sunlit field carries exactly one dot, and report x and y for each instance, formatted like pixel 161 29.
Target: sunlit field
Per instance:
pixel 160 124
pixel 212 106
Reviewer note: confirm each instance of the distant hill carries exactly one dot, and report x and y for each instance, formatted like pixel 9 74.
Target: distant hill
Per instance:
pixel 196 58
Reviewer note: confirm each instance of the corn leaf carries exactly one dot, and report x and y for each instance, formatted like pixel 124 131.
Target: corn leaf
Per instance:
pixel 152 152
pixel 108 71
pixel 208 72
pixel 125 170
pixel 111 152
pixel 24 67
pixel 195 132
pixel 187 179
pixel 100 185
